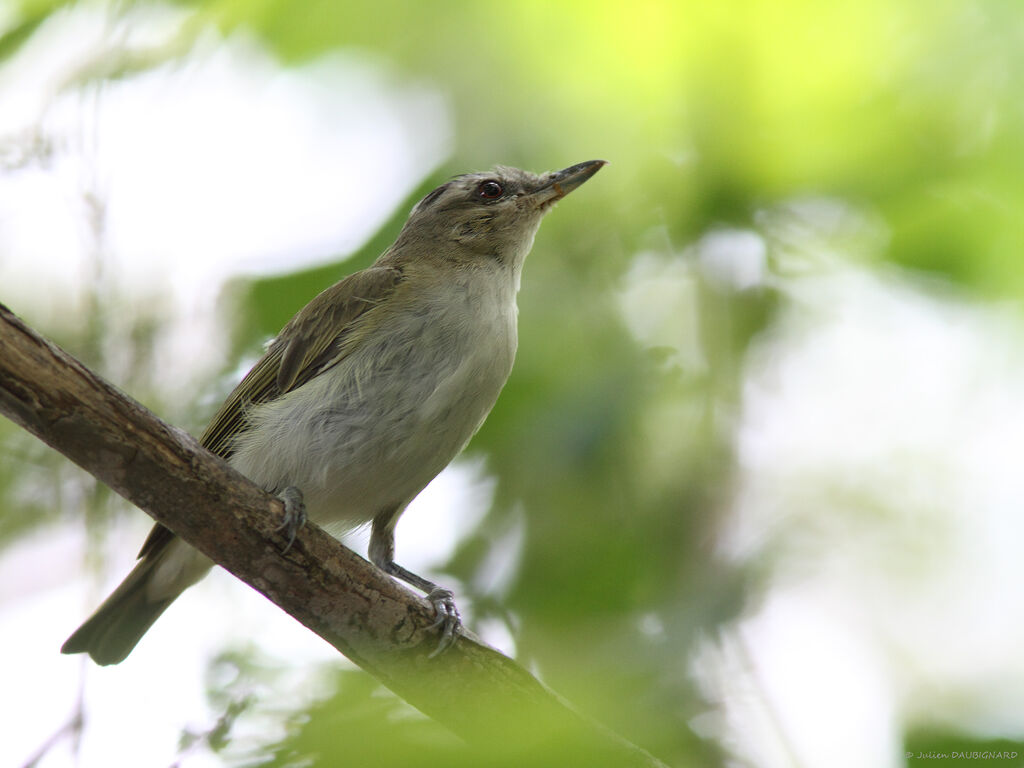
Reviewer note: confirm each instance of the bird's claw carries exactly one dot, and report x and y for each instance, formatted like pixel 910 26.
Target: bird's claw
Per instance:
pixel 448 618
pixel 294 514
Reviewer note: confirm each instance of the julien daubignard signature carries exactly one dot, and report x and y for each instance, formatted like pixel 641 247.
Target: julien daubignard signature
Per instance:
pixel 963 755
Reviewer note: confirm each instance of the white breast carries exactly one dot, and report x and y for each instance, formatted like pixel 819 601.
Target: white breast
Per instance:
pixel 371 432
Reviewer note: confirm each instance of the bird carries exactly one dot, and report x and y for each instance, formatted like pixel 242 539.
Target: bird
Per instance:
pixel 368 392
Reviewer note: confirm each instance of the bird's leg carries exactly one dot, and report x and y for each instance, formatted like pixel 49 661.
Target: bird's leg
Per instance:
pixel 382 554
pixel 294 514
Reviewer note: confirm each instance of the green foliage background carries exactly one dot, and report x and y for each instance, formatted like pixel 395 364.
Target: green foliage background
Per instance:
pixel 708 114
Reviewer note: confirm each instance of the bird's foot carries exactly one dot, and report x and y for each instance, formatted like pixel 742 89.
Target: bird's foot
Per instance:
pixel 448 618
pixel 294 514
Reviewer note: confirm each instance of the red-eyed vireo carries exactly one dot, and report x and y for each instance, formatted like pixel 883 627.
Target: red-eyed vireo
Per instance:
pixel 369 391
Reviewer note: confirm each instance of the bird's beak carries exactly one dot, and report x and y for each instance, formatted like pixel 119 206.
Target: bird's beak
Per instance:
pixel 560 183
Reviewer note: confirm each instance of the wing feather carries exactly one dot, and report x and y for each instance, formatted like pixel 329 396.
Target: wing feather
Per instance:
pixel 301 351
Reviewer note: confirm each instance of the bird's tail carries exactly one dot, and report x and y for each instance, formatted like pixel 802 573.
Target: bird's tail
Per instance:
pixel 116 627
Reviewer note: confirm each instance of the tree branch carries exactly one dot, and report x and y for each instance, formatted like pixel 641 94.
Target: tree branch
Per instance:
pixel 478 693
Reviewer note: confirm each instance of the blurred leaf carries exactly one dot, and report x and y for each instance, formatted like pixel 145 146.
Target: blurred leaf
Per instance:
pixel 32 14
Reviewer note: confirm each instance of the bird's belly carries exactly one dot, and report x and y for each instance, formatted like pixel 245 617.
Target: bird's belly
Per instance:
pixel 369 434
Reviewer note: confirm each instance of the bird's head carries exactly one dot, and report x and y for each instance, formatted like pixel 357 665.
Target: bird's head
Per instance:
pixel 495 213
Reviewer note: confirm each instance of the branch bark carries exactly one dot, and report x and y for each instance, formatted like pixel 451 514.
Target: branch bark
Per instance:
pixel 481 695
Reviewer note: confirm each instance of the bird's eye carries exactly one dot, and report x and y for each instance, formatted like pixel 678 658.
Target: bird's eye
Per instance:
pixel 489 190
